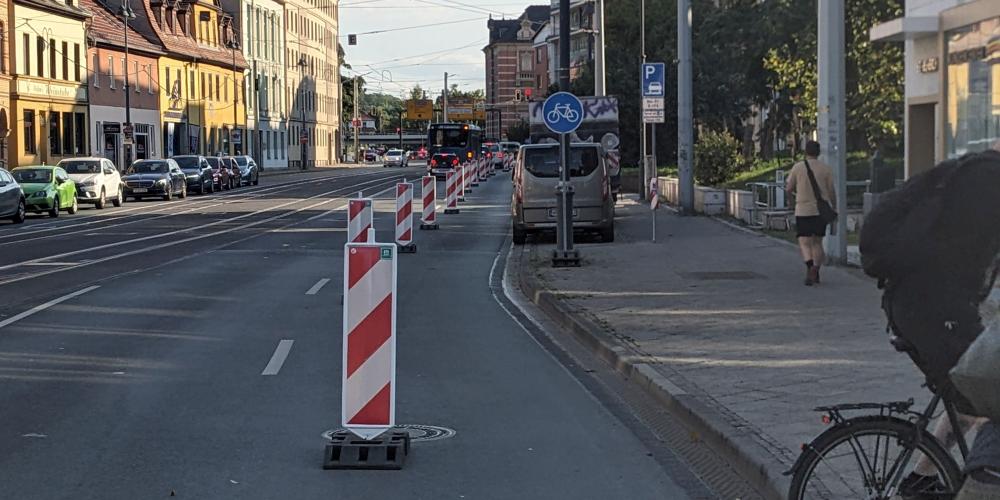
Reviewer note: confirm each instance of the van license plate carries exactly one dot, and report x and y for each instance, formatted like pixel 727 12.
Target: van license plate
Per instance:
pixel 554 213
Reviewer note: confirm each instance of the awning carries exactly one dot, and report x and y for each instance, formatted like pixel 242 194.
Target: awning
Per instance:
pixel 904 28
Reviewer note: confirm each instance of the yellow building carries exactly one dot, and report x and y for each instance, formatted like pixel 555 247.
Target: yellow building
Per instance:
pixel 202 100
pixel 48 45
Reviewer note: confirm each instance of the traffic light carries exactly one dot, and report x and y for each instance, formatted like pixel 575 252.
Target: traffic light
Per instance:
pixel 517 95
pixel 398 130
pixel 352 39
pixel 527 94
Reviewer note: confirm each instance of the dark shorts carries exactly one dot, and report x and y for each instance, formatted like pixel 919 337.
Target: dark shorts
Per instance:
pixel 810 226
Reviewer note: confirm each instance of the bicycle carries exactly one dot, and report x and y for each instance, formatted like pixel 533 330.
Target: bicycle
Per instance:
pixel 837 464
pixel 563 111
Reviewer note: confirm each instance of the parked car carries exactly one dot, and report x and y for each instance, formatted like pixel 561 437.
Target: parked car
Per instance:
pixel 371 155
pixel 441 164
pixel 46 189
pixel 394 158
pixel 96 180
pixel 155 178
pixel 222 177
pixel 536 175
pixel 12 204
pixel 249 171
pixel 197 172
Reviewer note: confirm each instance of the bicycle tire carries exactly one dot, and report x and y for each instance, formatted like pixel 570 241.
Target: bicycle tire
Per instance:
pixel 812 454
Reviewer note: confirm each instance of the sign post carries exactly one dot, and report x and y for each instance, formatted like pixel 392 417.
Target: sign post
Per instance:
pixel 563 114
pixel 654 201
pixel 653 112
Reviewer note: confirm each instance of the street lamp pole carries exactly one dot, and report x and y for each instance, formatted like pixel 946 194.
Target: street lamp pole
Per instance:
pixel 685 108
pixel 234 46
pixel 126 13
pixel 642 120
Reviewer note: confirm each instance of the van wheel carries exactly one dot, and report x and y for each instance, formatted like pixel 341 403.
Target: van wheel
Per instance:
pixel 520 236
pixel 608 233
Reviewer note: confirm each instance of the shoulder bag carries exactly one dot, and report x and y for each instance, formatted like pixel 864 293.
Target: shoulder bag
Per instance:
pixel 826 212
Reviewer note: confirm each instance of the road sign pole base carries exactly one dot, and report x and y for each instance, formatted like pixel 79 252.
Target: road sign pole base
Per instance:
pixel 565 258
pixel 451 211
pixel 411 248
pixel 347 451
pixel 430 226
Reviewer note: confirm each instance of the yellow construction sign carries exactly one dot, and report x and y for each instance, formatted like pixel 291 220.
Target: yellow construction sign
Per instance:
pixel 419 109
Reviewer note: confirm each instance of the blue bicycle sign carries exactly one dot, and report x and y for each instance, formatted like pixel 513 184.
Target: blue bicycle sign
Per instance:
pixel 562 112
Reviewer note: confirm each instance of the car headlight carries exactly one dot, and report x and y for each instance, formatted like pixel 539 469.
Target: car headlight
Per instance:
pixel 162 182
pixel 40 194
pixel 88 184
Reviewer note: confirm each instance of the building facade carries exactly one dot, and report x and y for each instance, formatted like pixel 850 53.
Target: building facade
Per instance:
pixel 48 45
pixel 6 119
pixel 312 82
pixel 108 94
pixel 581 36
pixel 261 26
pixel 952 82
pixel 510 68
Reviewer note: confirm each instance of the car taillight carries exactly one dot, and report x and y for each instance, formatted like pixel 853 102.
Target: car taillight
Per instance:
pixel 454 162
pixel 434 163
pixel 500 154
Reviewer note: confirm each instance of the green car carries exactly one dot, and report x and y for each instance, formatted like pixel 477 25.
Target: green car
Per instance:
pixel 46 189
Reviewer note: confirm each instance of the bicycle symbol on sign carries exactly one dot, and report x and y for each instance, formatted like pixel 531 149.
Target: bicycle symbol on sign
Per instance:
pixel 564 111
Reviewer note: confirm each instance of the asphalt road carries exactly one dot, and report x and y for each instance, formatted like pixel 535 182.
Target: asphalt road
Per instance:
pixel 133 342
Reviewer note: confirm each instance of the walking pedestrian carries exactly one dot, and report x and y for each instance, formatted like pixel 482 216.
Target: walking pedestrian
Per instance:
pixel 811 181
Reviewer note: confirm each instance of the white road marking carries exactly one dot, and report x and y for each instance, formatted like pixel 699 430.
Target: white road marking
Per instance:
pixel 37 309
pixel 53 264
pixel 278 358
pixel 319 285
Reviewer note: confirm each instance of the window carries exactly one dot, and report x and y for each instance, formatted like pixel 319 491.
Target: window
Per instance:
pixel 203 84
pixel 111 72
pixel 65 61
pixel 217 93
pixel 40 44
pixel 191 85
pixel 55 136
pixel 26 48
pixel 79 133
pixel 135 70
pixel 77 62
pixel 3 52
pixel 29 132
pixel 53 74
pixel 166 80
pixel 283 141
pixel 67 133
pixel 972 83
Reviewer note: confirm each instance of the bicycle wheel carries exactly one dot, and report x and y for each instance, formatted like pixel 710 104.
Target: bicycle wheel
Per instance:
pixel 866 457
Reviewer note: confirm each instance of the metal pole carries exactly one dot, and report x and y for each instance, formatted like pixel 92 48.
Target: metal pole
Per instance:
pixel 356 123
pixel 400 129
pixel 444 100
pixel 599 73
pixel 831 122
pixel 236 102
pixel 564 253
pixel 685 110
pixel 127 149
pixel 642 120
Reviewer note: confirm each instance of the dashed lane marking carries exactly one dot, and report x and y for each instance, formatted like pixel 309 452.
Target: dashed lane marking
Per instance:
pixel 318 286
pixel 278 358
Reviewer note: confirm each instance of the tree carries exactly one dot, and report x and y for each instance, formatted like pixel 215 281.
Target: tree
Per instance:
pixel 417 92
pixel 519 132
pixel 347 90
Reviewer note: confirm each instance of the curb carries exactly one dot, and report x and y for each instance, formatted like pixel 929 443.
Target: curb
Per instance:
pixel 736 446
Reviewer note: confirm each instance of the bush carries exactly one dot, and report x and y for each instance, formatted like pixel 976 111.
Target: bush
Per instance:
pixel 717 158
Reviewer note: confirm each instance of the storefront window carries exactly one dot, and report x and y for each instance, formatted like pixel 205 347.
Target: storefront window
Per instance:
pixel 973 61
pixel 55 134
pixel 79 133
pixel 29 131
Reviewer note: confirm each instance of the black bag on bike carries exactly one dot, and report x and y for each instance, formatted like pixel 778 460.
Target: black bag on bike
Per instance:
pixel 933 245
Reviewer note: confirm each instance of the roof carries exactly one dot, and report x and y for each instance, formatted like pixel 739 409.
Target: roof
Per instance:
pixel 505 30
pixel 176 41
pixel 106 29
pixel 56 7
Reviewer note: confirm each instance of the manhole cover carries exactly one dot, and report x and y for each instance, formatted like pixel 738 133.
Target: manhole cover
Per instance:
pixel 417 432
pixel 722 275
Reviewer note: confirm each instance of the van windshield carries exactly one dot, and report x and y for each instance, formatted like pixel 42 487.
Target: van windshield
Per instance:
pixel 544 162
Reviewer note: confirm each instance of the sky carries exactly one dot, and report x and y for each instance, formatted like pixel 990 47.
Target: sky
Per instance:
pixel 397 59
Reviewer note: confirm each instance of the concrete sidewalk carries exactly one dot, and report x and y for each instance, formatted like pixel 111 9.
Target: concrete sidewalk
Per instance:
pixel 716 323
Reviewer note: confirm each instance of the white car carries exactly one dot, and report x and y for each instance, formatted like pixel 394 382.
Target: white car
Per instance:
pixel 394 158
pixel 97 180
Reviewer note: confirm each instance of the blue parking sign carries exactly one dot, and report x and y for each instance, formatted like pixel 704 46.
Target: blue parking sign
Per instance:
pixel 653 79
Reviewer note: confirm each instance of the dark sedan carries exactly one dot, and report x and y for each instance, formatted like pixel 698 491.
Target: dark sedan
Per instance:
pixel 249 171
pixel 155 178
pixel 197 172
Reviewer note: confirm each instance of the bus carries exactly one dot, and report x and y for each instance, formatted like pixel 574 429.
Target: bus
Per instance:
pixel 460 139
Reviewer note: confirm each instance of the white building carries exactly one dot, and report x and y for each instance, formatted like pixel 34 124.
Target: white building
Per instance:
pixel 952 58
pixel 262 29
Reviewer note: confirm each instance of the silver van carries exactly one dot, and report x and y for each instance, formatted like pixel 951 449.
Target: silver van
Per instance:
pixel 536 174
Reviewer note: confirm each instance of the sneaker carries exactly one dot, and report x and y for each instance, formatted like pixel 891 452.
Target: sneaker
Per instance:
pixel 809 277
pixel 919 487
pixel 816 275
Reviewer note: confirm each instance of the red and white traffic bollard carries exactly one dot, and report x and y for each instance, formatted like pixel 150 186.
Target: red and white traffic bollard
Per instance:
pixel 428 219
pixel 359 219
pixel 481 167
pixel 368 401
pixel 404 218
pixel 462 172
pixel 451 192
pixel 474 172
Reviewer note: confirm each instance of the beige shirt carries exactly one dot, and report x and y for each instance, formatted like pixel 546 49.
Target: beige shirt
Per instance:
pixel 798 183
